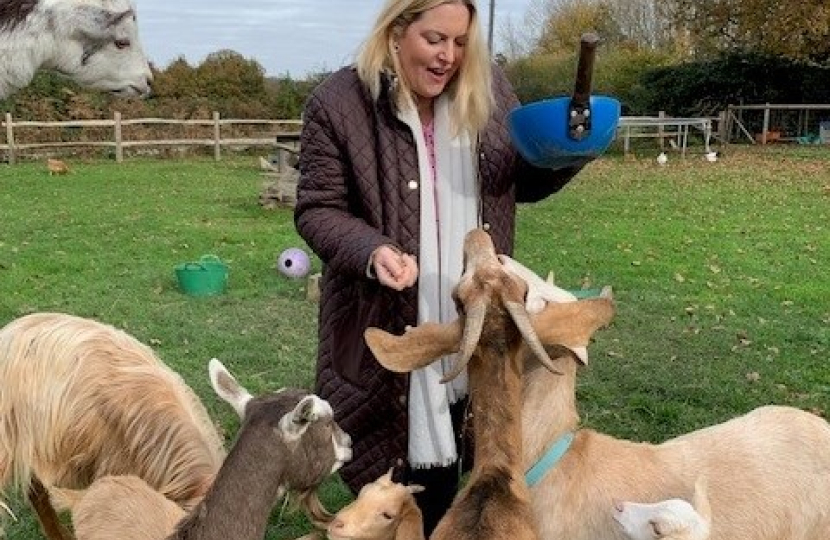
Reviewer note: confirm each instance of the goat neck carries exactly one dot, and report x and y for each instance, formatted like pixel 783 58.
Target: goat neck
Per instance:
pixel 243 487
pixel 549 401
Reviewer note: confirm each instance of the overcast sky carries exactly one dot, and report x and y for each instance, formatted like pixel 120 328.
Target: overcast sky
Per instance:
pixel 293 37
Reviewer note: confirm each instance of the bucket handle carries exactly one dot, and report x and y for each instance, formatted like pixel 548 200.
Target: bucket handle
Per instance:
pixel 210 258
pixel 579 111
pixel 194 266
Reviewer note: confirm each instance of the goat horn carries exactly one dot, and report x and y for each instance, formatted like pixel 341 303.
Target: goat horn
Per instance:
pixel 473 326
pixel 522 319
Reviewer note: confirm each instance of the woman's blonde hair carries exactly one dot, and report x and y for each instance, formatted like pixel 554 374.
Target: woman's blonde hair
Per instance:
pixel 471 87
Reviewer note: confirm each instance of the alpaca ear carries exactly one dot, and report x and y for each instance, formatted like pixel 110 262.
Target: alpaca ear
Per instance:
pixel 227 388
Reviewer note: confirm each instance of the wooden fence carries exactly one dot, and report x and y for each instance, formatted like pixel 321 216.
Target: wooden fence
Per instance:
pixel 283 135
pixel 769 123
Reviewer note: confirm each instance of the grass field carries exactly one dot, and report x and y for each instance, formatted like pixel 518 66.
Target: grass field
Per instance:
pixel 720 271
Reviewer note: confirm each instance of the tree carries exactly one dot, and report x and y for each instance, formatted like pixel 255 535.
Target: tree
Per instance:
pixel 795 29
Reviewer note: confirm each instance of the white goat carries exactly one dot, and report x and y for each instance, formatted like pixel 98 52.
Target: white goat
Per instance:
pixel 288 441
pixel 383 510
pixel 672 519
pixel 768 471
pixel 93 42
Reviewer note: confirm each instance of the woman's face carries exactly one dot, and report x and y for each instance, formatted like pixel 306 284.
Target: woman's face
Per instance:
pixel 431 49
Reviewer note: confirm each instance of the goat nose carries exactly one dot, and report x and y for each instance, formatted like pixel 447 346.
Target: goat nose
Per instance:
pixel 336 524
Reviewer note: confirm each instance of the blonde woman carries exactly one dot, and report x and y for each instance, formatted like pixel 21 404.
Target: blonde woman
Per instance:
pixel 402 154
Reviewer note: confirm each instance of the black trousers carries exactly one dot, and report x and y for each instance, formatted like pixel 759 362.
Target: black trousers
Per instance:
pixel 441 483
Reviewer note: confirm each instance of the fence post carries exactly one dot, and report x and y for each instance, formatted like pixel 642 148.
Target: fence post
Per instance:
pixel 217 142
pixel 660 131
pixel 766 125
pixel 723 127
pixel 119 150
pixel 10 138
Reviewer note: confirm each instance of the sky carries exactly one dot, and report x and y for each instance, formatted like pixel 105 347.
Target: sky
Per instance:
pixel 287 37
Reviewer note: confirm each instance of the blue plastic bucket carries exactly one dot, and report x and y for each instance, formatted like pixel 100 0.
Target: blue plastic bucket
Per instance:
pixel 540 131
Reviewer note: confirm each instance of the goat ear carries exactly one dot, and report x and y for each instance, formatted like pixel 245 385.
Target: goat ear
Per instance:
pixel 308 410
pixel 97 23
pixel 416 348
pixel 227 388
pixel 572 324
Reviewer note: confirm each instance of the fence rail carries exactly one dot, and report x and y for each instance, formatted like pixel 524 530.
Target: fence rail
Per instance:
pixel 284 137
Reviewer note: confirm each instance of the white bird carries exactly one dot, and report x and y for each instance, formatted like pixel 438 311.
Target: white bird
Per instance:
pixel 711 156
pixel 662 159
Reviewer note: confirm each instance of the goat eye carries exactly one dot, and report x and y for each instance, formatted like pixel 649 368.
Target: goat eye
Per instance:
pixel 122 43
pixel 387 516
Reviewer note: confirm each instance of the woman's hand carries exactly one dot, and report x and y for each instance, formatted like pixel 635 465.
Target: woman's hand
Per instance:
pixel 394 269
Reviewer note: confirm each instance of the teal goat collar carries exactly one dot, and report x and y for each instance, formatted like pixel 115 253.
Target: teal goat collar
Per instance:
pixel 547 461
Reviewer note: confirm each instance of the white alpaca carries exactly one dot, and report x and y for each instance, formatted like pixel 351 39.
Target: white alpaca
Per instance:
pixel 93 42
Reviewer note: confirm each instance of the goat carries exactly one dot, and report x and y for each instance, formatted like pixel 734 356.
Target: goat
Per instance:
pixel 288 440
pixel 82 400
pixel 495 503
pixel 93 42
pixel 671 519
pixel 56 166
pixel 768 470
pixel 123 507
pixel 383 510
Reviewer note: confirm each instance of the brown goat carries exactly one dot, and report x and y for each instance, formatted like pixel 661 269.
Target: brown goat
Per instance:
pixel 81 400
pixel 497 330
pixel 288 441
pixel 383 510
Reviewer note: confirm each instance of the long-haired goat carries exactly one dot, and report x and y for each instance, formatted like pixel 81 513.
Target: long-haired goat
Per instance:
pixel 93 42
pixel 81 400
pixel 383 510
pixel 288 441
pixel 768 471
pixel 495 503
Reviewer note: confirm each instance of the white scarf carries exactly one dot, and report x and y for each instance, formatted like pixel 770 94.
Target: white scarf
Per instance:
pixel 449 209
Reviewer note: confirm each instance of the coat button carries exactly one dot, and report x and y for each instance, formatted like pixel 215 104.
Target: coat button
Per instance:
pixel 399 462
pixel 402 399
pixel 485 226
pixel 413 184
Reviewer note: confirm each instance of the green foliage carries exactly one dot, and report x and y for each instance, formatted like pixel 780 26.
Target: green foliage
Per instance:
pixel 705 87
pixel 718 269
pixel 618 72
pixel 225 82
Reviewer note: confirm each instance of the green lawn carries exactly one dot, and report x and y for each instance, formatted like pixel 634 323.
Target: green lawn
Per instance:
pixel 720 271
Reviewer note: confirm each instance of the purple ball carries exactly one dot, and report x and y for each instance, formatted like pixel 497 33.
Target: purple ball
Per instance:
pixel 294 263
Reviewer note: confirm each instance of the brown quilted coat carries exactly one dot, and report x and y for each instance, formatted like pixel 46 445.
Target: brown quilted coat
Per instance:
pixel 358 190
